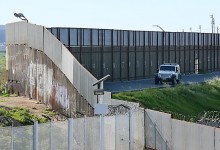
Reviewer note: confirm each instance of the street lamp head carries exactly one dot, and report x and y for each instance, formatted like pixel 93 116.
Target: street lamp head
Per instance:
pixel 159 27
pixel 20 15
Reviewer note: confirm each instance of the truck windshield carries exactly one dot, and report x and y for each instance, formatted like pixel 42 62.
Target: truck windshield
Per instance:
pixel 167 68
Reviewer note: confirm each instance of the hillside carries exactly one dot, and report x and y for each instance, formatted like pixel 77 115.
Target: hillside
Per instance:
pixel 182 102
pixel 2 33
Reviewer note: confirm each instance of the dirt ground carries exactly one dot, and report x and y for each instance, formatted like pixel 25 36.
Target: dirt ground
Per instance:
pixel 23 102
pixel 33 106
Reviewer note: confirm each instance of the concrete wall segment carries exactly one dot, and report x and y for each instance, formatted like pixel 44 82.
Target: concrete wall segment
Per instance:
pixel 21 32
pixel 36 36
pixel 191 136
pixel 10 33
pixel 217 139
pixel 39 78
pixel 67 64
pixel 53 48
pixel 163 124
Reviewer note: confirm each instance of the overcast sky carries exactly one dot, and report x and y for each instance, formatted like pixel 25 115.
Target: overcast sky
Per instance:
pixel 171 15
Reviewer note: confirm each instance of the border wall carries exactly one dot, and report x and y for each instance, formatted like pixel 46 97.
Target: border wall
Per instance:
pixel 133 55
pixel 41 67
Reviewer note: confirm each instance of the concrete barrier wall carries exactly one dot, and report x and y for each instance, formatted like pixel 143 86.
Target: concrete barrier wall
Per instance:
pixel 109 133
pixel 52 48
pixel 67 64
pixel 180 135
pixel 39 38
pixel 21 32
pixel 191 136
pixel 10 36
pixel 138 129
pixel 36 36
pixel 33 74
pixel 163 124
pixel 217 139
pixel 17 33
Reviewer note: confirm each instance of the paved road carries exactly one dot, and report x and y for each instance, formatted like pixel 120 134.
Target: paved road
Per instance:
pixel 115 87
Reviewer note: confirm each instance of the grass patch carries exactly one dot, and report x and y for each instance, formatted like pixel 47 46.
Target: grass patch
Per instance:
pixel 183 102
pixel 21 115
pixel 2 68
pixel 50 112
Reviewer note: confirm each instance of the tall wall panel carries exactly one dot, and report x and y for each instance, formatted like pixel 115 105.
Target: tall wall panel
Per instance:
pixel 96 62
pixel 163 124
pixel 21 32
pixel 10 33
pixel 35 36
pixel 193 136
pixel 107 61
pixel 139 63
pixel 124 63
pixel 116 63
pixel 53 48
pixel 132 63
pixel 67 63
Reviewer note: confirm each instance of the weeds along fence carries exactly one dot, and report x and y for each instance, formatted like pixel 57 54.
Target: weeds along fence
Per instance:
pixel 133 130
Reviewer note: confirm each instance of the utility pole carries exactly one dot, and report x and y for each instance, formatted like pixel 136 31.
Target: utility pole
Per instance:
pixel 213 24
pixel 200 28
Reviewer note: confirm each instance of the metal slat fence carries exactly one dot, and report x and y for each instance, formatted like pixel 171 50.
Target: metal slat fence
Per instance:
pixel 139 53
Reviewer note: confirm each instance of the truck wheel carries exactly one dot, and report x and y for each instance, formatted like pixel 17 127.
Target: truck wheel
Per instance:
pixel 174 81
pixel 156 81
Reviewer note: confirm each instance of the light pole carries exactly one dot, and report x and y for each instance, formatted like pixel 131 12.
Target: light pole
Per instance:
pixel 159 27
pixel 163 31
pixel 21 16
pixel 200 27
pixel 213 23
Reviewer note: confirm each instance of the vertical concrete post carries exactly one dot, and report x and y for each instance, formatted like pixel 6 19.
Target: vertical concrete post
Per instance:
pixel 101 132
pixel 51 136
pixel 116 131
pixel 70 133
pixel 130 131
pixel 155 132
pixel 35 136
pixel 12 137
pixel 84 132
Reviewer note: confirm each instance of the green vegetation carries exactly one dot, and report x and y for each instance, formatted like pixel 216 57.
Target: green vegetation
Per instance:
pixel 3 88
pixel 182 102
pixel 2 68
pixel 50 112
pixel 21 115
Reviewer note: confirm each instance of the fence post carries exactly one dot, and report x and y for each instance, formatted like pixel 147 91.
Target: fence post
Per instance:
pixel 70 133
pixel 35 136
pixel 12 137
pixel 51 136
pixel 155 132
pixel 101 132
pixel 145 135
pixel 84 132
pixel 130 130
pixel 115 131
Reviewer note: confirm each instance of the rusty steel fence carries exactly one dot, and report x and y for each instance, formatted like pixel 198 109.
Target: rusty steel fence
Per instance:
pixel 131 55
